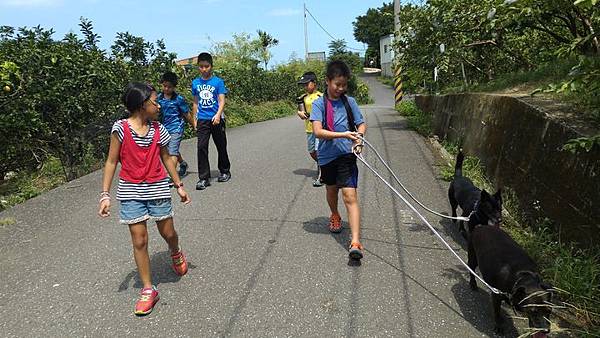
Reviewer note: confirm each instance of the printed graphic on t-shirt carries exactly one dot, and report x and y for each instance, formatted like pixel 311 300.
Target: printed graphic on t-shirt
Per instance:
pixel 206 98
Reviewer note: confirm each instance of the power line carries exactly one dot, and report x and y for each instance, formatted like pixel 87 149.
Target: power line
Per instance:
pixel 324 30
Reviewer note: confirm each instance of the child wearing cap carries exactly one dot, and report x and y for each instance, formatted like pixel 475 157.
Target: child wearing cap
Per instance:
pixel 309 81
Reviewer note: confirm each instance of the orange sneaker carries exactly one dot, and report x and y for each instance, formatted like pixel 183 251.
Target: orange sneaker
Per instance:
pixel 355 251
pixel 335 223
pixel 145 304
pixel 179 263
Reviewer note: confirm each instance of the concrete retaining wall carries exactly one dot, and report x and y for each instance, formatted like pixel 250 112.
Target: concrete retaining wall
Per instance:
pixel 519 145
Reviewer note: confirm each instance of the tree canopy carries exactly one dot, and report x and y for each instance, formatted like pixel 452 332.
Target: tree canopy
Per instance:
pixel 373 25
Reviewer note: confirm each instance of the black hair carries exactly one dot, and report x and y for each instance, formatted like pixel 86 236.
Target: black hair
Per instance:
pixel 337 68
pixel 204 56
pixel 135 94
pixel 169 77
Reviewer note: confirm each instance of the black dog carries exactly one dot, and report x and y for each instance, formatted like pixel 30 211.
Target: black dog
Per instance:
pixel 507 267
pixel 482 207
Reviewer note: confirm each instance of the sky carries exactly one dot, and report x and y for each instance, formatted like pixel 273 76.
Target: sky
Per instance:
pixel 190 27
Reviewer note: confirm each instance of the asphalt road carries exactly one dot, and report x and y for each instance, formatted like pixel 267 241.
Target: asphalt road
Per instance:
pixel 262 261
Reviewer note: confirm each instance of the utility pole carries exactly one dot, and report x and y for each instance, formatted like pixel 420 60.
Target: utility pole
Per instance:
pixel 396 15
pixel 399 94
pixel 305 35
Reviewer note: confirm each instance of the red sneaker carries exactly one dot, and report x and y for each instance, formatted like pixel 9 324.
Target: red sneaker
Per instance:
pixel 335 223
pixel 145 304
pixel 179 263
pixel 355 251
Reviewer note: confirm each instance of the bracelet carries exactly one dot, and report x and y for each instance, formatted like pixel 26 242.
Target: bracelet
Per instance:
pixel 180 185
pixel 104 199
pixel 104 193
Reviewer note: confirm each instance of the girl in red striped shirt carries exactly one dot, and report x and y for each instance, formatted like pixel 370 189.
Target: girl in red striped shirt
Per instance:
pixel 140 144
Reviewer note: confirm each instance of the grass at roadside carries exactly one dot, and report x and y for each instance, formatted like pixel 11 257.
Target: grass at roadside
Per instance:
pixel 417 119
pixel 26 185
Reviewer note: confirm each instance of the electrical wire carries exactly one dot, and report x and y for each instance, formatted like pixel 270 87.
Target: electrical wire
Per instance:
pixel 326 32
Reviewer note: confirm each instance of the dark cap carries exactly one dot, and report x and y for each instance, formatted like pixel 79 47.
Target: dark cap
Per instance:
pixel 308 77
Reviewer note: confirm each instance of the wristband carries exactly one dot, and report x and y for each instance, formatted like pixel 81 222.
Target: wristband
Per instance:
pixel 104 199
pixel 180 185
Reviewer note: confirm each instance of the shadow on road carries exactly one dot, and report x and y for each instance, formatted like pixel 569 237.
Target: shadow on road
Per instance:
pixel 162 272
pixel 451 230
pixel 306 172
pixel 471 303
pixel 319 226
pixel 400 125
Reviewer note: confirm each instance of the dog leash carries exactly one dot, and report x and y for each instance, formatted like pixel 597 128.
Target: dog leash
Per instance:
pixel 358 154
pixel 459 218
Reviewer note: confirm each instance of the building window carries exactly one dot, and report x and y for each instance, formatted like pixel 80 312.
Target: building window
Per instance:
pixel 385 48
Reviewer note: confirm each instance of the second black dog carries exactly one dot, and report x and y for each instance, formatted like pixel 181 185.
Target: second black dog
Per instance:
pixel 507 267
pixel 482 207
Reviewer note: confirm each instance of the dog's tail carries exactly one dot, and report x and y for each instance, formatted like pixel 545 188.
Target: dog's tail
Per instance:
pixel 460 157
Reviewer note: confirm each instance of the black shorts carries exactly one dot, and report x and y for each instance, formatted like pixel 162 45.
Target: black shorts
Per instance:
pixel 342 172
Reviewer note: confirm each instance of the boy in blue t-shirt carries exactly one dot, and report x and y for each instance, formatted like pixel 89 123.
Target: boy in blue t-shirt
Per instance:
pixel 339 124
pixel 174 112
pixel 209 100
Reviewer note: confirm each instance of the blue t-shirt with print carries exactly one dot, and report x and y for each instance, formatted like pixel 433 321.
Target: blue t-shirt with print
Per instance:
pixel 329 150
pixel 172 111
pixel 208 92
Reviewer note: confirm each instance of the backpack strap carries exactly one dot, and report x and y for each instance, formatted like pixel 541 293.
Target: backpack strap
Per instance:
pixel 349 114
pixel 351 125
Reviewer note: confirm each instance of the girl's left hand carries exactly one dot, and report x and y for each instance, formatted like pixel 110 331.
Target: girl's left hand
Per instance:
pixel 185 198
pixel 104 210
pixel 216 119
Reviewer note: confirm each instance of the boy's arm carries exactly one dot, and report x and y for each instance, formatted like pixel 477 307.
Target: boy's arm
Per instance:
pixel 188 117
pixel 185 111
pixel 219 114
pixel 194 111
pixel 169 164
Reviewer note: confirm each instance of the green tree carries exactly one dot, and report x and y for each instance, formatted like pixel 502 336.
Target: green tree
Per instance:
pixel 266 41
pixel 370 27
pixel 242 49
pixel 339 51
pixel 338 46
pixel 64 94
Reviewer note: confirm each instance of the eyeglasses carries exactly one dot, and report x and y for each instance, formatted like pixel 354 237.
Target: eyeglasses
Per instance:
pixel 154 102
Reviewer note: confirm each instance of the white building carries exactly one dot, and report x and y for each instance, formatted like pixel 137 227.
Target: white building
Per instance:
pixel 386 52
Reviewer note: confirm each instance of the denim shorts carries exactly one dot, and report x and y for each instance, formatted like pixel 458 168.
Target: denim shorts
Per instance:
pixel 312 143
pixel 136 211
pixel 173 146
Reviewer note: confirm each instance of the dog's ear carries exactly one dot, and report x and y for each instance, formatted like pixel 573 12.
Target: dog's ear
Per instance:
pixel 498 195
